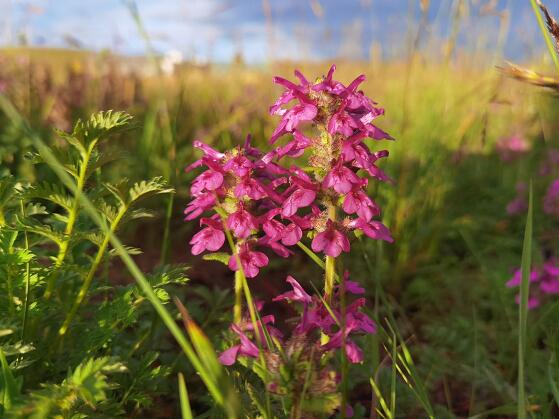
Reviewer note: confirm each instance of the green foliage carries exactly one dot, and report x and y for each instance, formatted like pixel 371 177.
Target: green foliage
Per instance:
pixel 47 243
pixel 99 126
pixel 83 390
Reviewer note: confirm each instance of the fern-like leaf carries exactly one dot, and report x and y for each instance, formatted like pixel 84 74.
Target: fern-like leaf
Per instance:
pixel 145 189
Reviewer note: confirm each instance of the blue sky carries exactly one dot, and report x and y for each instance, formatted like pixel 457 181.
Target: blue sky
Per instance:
pixel 298 29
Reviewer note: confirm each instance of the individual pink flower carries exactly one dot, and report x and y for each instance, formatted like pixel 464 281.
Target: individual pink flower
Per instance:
pixel 342 122
pixel 298 294
pixel 245 348
pixel 203 202
pixel 250 188
pixel 341 179
pixel 210 238
pixel 210 180
pixel 304 111
pixel 300 198
pixel 241 222
pixel 331 241
pixel 373 229
pixel 251 261
pixel 358 202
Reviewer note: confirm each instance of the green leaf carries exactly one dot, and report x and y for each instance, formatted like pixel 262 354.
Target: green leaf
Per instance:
pixel 89 381
pixel 9 388
pixel 99 126
pixel 218 256
pixel 54 193
pixel 186 412
pixel 523 307
pixel 145 189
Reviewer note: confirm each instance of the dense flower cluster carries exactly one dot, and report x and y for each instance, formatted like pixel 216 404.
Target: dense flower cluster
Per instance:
pixel 543 280
pixel 318 326
pixel 265 205
pixel 242 186
pixel 342 117
pixel 245 197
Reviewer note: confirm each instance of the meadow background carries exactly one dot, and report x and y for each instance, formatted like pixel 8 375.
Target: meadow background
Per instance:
pixel 195 70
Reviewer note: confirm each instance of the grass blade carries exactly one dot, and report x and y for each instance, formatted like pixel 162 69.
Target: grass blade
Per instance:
pixel 186 412
pixel 523 307
pixel 545 34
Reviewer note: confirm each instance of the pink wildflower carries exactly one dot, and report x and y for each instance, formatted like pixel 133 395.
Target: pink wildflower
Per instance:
pixel 331 241
pixel 251 261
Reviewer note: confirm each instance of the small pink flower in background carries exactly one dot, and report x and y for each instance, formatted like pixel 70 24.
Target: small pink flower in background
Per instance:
pixel 245 348
pixel 510 148
pixel 544 280
pixel 551 199
pixel 519 204
pixel 551 161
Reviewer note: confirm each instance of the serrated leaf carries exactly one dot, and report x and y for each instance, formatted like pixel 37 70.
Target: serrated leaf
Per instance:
pixel 54 193
pixel 17 257
pixel 218 256
pixel 41 230
pixel 139 214
pixel 144 189
pixel 99 126
pixel 130 249
pixel 33 209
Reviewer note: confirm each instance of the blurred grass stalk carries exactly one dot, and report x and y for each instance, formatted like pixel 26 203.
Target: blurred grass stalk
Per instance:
pixel 168 133
pixel 552 49
pixel 523 308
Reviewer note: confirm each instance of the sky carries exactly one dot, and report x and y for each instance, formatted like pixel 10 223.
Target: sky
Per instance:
pixel 218 30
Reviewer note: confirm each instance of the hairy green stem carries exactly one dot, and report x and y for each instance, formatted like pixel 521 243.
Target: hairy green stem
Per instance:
pixel 27 282
pixel 237 309
pixel 330 266
pixel 72 217
pixel 91 273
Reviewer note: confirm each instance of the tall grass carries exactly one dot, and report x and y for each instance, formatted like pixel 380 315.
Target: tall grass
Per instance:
pixel 523 308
